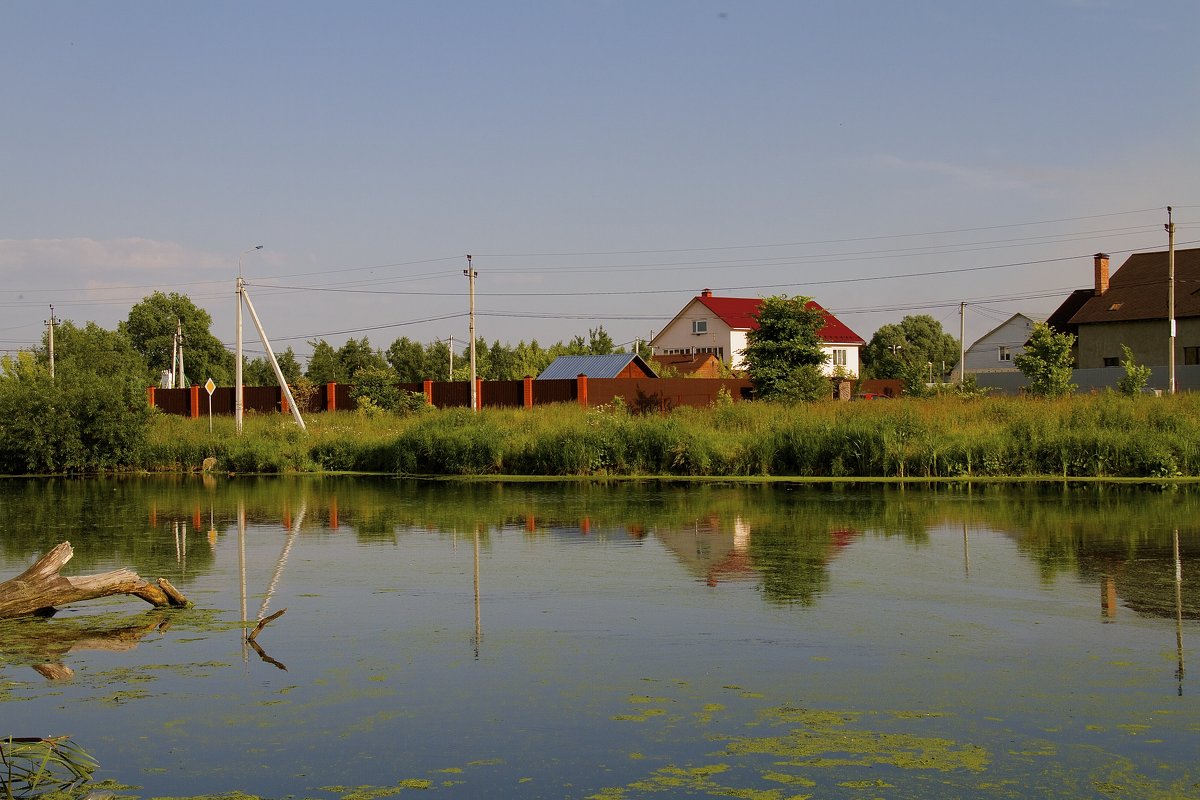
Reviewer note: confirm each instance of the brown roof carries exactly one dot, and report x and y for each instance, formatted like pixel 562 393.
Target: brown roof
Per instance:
pixel 1138 290
pixel 1060 320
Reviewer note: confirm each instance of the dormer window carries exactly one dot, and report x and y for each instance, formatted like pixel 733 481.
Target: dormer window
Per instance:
pixel 699 326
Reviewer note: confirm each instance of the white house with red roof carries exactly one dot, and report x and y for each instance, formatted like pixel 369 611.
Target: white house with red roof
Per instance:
pixel 719 325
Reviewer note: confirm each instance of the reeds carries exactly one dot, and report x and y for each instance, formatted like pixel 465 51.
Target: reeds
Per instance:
pixel 37 766
pixel 1102 436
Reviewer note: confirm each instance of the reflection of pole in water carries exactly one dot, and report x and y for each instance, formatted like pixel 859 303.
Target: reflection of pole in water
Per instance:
pixel 478 622
pixel 1108 597
pixel 241 523
pixel 279 564
pixel 966 553
pixel 1178 613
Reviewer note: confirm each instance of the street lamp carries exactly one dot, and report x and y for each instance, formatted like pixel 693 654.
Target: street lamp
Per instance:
pixel 237 366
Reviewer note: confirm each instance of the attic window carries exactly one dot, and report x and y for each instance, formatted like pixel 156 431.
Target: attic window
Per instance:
pixel 1114 306
pixel 699 326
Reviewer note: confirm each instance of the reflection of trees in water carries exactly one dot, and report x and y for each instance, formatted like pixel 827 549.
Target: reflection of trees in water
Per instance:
pixel 1089 529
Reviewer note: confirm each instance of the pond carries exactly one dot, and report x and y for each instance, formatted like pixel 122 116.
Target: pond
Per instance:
pixel 586 640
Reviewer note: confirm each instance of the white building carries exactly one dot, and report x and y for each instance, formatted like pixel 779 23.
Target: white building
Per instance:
pixel 719 325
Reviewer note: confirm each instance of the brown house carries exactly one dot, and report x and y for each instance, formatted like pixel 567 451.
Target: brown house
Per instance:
pixel 698 365
pixel 1131 309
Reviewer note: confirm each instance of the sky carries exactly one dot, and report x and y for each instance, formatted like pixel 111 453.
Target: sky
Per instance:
pixel 602 162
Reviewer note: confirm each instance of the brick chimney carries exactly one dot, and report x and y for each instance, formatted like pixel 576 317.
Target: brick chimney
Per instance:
pixel 706 293
pixel 1101 260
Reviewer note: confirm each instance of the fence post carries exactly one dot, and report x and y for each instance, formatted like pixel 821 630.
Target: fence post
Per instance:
pixel 428 392
pixel 581 389
pixel 150 395
pixel 529 391
pixel 331 396
pixel 195 398
pixel 478 393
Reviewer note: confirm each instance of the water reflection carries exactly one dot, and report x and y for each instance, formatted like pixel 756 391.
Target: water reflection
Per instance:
pixel 629 627
pixel 783 537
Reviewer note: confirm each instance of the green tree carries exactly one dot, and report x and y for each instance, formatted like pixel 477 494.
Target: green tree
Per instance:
pixel 259 372
pixel 323 365
pixel 150 327
pixel 408 359
pixel 1136 375
pixel 1047 363
pixel 905 349
pixel 783 354
pixel 357 354
pixel 91 415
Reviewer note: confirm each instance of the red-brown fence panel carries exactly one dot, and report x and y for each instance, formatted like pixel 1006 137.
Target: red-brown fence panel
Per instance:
pixel 554 391
pixel 504 394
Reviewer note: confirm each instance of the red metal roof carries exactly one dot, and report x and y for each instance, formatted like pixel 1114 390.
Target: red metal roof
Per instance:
pixel 737 313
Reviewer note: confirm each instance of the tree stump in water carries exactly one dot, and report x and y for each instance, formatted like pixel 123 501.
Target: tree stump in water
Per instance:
pixel 40 588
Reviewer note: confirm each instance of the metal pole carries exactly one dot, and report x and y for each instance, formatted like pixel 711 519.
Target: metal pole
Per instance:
pixel 1170 226
pixel 471 274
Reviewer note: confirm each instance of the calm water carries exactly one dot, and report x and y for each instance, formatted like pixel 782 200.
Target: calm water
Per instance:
pixel 575 641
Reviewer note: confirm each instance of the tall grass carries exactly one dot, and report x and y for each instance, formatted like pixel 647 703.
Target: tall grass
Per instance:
pixel 1103 435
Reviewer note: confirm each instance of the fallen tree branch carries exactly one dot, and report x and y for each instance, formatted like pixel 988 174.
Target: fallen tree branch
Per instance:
pixel 40 588
pixel 262 623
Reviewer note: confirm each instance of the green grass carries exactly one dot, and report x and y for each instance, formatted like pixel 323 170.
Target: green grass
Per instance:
pixel 1091 436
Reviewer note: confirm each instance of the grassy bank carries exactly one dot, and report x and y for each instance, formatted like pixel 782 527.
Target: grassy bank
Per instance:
pixel 1089 436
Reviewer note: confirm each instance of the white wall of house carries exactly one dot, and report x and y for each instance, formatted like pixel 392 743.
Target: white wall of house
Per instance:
pixel 995 351
pixel 684 335
pixel 841 355
pixel 681 336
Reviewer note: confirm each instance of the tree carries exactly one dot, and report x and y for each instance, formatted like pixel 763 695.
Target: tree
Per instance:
pixel 1136 375
pixel 905 349
pixel 357 354
pixel 1046 362
pixel 150 327
pixel 259 371
pixel 91 415
pixel 323 365
pixel 783 354
pixel 408 359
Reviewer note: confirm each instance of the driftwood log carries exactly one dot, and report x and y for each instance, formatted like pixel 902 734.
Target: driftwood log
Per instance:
pixel 40 588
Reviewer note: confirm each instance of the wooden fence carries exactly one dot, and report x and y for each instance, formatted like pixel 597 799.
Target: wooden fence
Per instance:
pixel 642 393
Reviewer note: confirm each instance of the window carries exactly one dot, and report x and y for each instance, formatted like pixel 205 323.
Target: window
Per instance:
pixel 839 358
pixel 1191 356
pixel 699 326
pixel 1005 353
pixel 1112 361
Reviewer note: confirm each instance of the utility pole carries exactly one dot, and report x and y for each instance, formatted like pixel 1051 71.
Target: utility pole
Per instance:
pixel 237 366
pixel 450 377
pixel 179 378
pixel 471 276
pixel 1170 226
pixel 962 335
pixel 50 323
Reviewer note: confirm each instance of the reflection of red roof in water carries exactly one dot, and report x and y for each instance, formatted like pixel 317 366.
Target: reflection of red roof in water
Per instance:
pixel 841 539
pixel 738 564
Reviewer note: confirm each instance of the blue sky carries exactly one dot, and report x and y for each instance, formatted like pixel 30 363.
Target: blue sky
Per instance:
pixel 602 161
